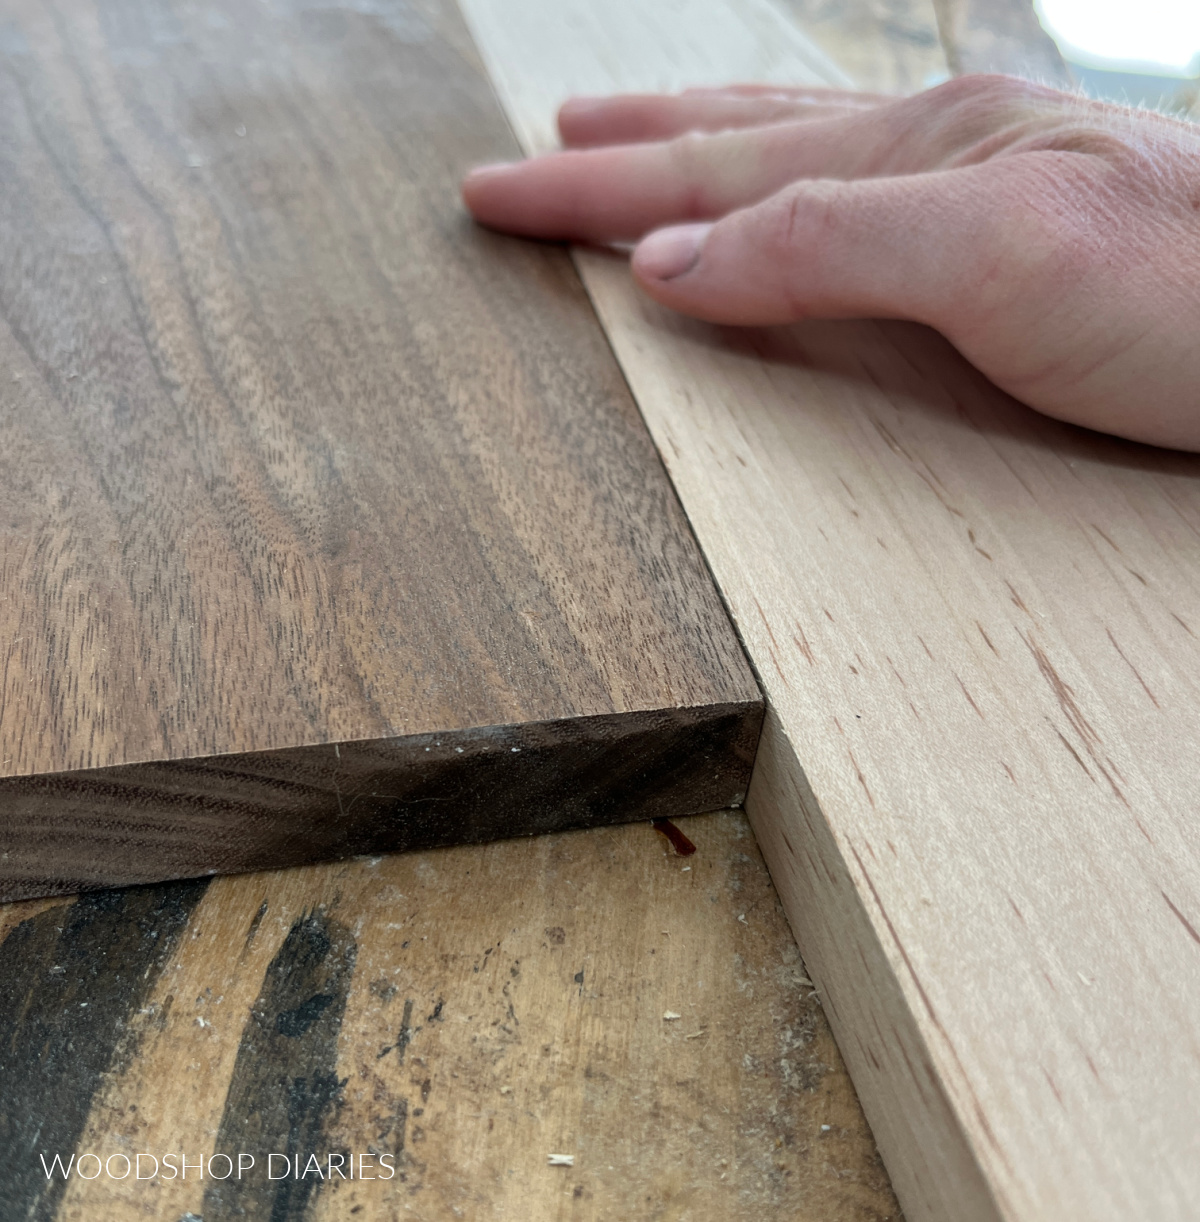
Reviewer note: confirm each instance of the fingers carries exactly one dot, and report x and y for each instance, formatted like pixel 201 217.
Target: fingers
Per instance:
pixel 912 247
pixel 610 194
pixel 623 191
pixel 634 118
pixel 754 89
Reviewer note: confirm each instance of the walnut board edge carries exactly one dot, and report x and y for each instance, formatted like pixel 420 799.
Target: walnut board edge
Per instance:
pixel 226 814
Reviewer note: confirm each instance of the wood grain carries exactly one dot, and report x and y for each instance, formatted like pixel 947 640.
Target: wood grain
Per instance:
pixel 977 790
pixel 293 456
pixel 144 822
pixel 465 1012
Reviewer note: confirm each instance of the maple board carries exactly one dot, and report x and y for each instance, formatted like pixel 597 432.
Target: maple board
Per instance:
pixel 978 631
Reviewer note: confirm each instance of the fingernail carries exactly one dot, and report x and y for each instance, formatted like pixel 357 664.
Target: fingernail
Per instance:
pixel 583 105
pixel 671 253
pixel 487 171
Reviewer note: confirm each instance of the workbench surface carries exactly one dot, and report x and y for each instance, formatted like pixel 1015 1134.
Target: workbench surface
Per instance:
pixel 466 1012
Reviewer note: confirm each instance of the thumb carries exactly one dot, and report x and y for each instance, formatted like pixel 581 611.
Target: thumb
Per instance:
pixel 918 247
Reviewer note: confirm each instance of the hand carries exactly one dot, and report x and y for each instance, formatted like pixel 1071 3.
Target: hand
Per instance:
pixel 1054 240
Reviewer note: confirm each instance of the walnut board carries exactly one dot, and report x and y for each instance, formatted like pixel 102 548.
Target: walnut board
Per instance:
pixel 473 1010
pixel 979 635
pixel 327 523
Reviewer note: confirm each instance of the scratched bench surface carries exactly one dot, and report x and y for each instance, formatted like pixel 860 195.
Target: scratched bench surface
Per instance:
pixel 465 1013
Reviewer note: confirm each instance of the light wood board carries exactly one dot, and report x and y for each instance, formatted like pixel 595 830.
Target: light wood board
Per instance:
pixel 473 1010
pixel 979 634
pixel 894 44
pixel 327 523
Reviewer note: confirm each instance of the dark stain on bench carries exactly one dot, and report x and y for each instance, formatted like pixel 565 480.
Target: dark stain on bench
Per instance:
pixel 74 975
pixel 285 1091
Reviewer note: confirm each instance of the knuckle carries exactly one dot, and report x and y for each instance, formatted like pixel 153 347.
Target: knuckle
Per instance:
pixel 970 118
pixel 689 154
pixel 805 227
pixel 986 89
pixel 991 100
pixel 1110 151
pixel 690 159
pixel 807 213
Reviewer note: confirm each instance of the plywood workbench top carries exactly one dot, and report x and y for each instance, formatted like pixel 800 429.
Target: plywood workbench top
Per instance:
pixel 465 1012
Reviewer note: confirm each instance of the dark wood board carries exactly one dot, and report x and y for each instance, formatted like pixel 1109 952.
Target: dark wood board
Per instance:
pixel 291 456
pixel 179 819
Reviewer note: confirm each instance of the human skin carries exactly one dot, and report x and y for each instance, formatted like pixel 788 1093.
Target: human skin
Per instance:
pixel 1055 241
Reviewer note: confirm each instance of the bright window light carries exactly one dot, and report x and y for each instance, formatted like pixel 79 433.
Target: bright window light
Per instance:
pixel 1159 33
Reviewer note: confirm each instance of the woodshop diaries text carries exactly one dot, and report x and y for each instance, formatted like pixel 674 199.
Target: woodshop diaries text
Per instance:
pixel 222 1166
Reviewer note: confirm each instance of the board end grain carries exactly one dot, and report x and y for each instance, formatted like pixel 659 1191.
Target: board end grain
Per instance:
pixel 139 823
